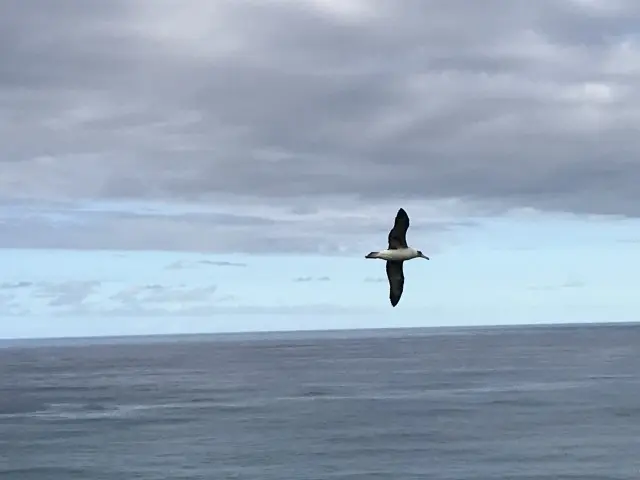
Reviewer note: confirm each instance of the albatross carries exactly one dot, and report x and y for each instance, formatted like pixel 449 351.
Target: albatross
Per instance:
pixel 396 254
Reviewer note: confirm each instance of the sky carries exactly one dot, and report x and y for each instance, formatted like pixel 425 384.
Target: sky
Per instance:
pixel 225 165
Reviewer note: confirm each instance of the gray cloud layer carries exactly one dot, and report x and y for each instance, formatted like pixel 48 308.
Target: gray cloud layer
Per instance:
pixel 512 102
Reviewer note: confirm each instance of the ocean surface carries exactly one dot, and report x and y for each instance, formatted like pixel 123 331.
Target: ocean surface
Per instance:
pixel 497 403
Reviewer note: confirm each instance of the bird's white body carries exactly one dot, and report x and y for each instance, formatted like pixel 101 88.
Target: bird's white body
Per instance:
pixel 397 254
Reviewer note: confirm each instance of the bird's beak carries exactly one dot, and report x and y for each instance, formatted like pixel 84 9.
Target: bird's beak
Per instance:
pixel 425 257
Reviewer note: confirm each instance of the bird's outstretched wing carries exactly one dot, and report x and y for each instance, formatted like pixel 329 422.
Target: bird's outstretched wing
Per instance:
pixel 398 234
pixel 396 281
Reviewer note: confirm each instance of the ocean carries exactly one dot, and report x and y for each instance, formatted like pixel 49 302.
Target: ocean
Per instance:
pixel 543 402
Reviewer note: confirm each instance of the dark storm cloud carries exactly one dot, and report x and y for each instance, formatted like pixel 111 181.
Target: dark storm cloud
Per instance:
pixel 512 102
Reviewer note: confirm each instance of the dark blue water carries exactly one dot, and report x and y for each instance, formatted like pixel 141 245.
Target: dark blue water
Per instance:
pixel 525 403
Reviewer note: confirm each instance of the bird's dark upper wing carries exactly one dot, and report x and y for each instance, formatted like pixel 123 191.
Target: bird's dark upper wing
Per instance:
pixel 396 281
pixel 398 234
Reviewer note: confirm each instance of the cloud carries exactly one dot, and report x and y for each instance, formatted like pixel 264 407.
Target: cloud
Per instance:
pixel 27 296
pixel 569 284
pixel 311 279
pixel 92 297
pixel 182 264
pixel 71 293
pixel 163 299
pixel 375 279
pixel 332 229
pixel 222 263
pixel 15 285
pixel 300 107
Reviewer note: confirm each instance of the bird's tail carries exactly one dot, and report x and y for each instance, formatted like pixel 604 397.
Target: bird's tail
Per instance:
pixel 372 255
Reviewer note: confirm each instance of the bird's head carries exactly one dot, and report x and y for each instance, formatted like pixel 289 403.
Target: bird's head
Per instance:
pixel 422 255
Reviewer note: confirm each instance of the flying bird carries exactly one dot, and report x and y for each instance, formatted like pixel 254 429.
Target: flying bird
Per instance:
pixel 396 254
